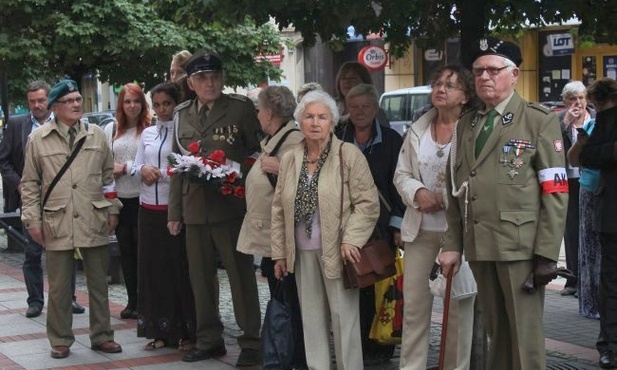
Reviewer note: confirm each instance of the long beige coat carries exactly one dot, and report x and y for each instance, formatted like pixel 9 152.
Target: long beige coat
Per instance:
pixel 255 233
pixel 75 215
pixel 360 205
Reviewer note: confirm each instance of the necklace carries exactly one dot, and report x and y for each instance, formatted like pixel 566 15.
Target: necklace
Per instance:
pixel 440 153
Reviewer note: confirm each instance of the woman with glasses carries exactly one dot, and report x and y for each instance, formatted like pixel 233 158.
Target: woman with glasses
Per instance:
pixel 420 179
pixel 132 117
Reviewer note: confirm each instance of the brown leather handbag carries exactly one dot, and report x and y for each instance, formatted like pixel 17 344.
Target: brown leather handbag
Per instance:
pixel 376 257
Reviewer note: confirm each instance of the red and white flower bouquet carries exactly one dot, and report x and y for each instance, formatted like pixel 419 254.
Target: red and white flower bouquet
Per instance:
pixel 214 168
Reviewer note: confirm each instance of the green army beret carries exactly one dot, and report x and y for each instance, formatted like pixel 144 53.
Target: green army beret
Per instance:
pixel 63 87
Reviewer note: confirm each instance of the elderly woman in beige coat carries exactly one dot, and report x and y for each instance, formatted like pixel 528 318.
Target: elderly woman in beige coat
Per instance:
pixel 276 105
pixel 305 230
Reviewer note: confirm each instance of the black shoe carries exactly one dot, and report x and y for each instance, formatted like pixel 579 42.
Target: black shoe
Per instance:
pixel 77 308
pixel 569 290
pixel 248 357
pixel 128 313
pixel 34 311
pixel 608 360
pixel 197 354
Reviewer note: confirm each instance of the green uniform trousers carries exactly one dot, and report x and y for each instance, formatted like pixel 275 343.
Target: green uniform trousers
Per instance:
pixel 513 317
pixel 59 310
pixel 201 241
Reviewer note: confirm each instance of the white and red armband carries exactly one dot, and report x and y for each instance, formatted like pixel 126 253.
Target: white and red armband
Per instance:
pixel 109 191
pixel 553 180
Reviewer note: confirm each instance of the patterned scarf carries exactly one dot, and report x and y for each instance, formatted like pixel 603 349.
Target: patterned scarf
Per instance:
pixel 306 194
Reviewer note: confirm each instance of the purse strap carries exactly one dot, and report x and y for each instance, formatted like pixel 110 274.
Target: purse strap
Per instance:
pixel 65 167
pixel 272 178
pixel 340 221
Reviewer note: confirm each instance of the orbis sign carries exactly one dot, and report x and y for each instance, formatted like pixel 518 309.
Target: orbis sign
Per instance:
pixel 373 57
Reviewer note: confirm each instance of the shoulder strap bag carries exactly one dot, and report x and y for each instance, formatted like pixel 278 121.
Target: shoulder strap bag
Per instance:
pixel 377 261
pixel 65 167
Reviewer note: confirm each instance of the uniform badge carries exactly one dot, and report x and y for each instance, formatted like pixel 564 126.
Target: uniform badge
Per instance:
pixel 558 145
pixel 475 120
pixel 507 118
pixel 517 162
pixel 483 44
pixel 512 174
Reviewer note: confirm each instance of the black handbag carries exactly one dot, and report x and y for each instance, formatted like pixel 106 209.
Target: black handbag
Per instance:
pixel 377 260
pixel 277 337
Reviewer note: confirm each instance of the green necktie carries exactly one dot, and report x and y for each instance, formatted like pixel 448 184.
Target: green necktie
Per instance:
pixel 72 133
pixel 486 131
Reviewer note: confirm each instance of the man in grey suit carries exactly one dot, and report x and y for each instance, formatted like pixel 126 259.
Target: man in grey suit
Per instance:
pixel 11 166
pixel 508 175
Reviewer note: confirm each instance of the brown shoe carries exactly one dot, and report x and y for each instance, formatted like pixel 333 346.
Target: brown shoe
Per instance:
pixel 108 347
pixel 60 351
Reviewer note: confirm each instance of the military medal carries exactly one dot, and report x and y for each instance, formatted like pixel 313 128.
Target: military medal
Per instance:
pixel 517 162
pixel 512 174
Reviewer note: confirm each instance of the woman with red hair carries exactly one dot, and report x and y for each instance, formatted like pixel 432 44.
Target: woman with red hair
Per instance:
pixel 132 117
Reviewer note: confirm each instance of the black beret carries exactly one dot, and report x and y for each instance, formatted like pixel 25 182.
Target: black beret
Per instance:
pixel 494 46
pixel 202 61
pixel 63 87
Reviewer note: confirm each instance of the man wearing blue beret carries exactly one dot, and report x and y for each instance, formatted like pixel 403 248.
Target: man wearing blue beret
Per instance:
pixel 508 193
pixel 69 202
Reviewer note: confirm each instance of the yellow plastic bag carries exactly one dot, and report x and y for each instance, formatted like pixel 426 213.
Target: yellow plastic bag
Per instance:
pixel 387 325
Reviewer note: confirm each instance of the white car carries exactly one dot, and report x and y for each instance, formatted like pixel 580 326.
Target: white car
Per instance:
pixel 401 104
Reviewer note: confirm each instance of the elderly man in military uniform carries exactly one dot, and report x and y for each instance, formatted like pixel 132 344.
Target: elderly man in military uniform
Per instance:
pixel 229 123
pixel 508 193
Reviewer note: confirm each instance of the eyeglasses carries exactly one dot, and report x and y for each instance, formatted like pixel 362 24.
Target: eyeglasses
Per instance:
pixel 492 71
pixel 447 85
pixel 71 101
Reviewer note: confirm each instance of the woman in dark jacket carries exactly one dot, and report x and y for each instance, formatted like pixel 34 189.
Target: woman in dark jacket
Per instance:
pixel 381 146
pixel 599 151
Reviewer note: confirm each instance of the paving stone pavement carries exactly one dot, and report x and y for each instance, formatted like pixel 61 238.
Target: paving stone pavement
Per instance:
pixel 23 344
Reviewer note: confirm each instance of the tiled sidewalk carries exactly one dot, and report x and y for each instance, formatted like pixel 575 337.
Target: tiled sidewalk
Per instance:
pixel 23 343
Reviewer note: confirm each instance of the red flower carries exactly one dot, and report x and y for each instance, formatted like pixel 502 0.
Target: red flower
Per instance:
pixel 194 147
pixel 170 171
pixel 239 191
pixel 232 177
pixel 218 156
pixel 226 189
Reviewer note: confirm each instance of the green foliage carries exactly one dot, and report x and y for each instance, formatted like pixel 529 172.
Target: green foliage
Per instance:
pixel 428 22
pixel 120 40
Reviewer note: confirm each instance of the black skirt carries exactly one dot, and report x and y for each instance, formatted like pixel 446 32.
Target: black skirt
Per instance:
pixel 166 304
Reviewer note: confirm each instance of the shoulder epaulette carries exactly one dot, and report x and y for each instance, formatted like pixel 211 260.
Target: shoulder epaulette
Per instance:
pixel 542 108
pixel 238 97
pixel 182 105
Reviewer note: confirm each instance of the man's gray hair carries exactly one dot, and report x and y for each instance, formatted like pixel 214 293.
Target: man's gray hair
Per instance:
pixel 320 97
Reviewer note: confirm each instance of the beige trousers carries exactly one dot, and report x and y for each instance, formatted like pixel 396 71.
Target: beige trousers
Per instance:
pixel 326 304
pixel 419 258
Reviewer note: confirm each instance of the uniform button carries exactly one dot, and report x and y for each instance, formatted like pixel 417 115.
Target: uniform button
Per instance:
pixel 74 186
pixel 75 215
pixel 518 218
pixel 472 173
pixel 474 197
pixel 476 221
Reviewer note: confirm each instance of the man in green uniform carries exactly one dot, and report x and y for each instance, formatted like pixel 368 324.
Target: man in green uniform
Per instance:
pixel 508 193
pixel 229 123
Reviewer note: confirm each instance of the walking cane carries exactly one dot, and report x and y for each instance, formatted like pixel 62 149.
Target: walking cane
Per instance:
pixel 444 321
